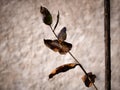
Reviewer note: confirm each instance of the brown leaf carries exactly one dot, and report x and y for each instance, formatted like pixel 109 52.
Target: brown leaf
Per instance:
pixel 52 44
pixel 47 17
pixel 56 46
pixel 87 82
pixel 62 35
pixel 62 68
pixel 66 47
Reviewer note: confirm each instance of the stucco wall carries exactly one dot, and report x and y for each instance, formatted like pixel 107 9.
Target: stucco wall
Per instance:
pixel 25 62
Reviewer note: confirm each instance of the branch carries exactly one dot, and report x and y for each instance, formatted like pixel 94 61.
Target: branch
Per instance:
pixel 75 60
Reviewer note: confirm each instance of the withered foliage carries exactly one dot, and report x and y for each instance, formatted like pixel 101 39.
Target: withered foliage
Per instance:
pixel 62 35
pixel 47 17
pixel 62 68
pixel 56 46
pixel 63 47
pixel 86 80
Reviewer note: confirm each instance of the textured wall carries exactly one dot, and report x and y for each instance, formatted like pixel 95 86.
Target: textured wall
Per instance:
pixel 25 62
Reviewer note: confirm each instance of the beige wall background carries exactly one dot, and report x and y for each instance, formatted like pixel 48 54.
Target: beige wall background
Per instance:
pixel 25 62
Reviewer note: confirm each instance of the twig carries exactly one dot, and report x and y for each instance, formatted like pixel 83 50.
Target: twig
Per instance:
pixel 53 31
pixel 76 60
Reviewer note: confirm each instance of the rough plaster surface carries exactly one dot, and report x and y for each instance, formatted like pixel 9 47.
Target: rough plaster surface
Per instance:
pixel 25 62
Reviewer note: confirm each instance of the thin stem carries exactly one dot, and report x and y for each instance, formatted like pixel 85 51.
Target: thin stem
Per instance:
pixel 76 61
pixel 53 32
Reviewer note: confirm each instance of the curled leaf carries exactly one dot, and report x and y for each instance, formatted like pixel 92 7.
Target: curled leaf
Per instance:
pixel 62 35
pixel 47 17
pixel 87 82
pixel 57 20
pixel 56 46
pixel 62 68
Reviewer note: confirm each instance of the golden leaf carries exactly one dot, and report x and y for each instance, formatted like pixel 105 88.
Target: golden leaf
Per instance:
pixel 62 68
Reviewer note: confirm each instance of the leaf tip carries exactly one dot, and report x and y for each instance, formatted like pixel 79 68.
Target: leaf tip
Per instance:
pixel 50 76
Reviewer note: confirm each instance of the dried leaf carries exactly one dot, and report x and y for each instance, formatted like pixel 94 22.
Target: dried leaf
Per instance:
pixel 62 35
pixel 87 82
pixel 57 20
pixel 52 44
pixel 47 17
pixel 56 46
pixel 62 68
pixel 66 47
